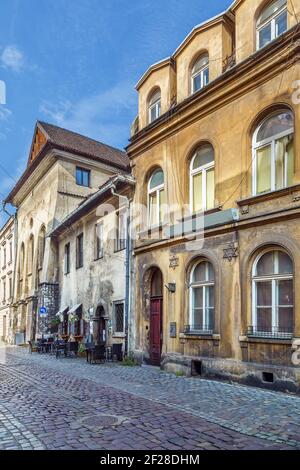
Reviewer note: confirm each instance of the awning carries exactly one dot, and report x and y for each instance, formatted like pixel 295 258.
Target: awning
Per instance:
pixel 62 312
pixel 74 309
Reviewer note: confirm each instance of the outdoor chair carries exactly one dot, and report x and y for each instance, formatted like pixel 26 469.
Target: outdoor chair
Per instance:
pixel 98 354
pixel 72 348
pixel 60 347
pixel 89 347
pixel 32 347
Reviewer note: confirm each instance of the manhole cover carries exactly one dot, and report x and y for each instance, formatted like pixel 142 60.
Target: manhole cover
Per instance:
pixel 102 421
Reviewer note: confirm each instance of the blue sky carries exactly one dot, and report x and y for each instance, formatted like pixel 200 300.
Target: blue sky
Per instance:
pixel 75 63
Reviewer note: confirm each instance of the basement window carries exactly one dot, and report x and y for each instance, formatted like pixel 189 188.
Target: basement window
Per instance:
pixel 268 377
pixel 196 368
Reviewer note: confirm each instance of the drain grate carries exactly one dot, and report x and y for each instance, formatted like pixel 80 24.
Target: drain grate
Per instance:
pixel 102 421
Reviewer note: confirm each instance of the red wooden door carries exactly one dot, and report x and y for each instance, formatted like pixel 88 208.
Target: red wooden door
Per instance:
pixel 155 331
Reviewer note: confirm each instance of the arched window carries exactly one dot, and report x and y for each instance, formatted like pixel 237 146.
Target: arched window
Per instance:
pixel 200 73
pixel 154 105
pixel 273 147
pixel 41 247
pixel 21 262
pixel 30 255
pixel 156 198
pixel 273 295
pixel 202 298
pixel 202 179
pixel 272 22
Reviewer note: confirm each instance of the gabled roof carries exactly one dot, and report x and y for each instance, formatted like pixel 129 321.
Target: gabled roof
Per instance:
pixel 77 143
pixel 48 137
pixel 116 182
pixel 226 15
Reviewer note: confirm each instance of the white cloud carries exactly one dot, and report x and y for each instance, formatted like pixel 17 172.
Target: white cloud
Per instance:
pixel 101 116
pixel 12 58
pixel 4 113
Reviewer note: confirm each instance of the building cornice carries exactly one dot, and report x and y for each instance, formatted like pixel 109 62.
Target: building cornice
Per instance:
pixel 235 82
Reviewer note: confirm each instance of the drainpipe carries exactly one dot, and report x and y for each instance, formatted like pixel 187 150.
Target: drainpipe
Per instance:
pixel 127 265
pixel 15 216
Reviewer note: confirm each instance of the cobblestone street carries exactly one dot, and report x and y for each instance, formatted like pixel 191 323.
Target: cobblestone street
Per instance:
pixel 67 404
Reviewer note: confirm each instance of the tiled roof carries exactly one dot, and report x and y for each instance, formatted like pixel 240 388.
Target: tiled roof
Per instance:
pixel 73 142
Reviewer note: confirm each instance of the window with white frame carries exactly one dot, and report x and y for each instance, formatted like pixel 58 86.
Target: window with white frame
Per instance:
pixel 156 198
pixel 272 22
pixel 202 298
pixel 202 179
pixel 273 148
pixel 154 106
pixel 200 73
pixel 273 294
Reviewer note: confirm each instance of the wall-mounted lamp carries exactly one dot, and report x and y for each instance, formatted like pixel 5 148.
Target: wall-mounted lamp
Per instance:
pixel 171 287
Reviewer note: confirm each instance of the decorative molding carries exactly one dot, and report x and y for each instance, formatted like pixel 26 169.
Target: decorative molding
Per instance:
pixel 231 252
pixel 174 261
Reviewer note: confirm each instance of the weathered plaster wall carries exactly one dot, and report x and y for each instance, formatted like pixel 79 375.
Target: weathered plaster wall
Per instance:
pixel 246 15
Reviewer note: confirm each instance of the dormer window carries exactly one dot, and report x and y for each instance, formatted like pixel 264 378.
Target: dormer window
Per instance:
pixel 154 106
pixel 272 22
pixel 200 73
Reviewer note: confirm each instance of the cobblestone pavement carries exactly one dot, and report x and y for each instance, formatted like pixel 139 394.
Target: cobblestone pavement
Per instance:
pixel 68 404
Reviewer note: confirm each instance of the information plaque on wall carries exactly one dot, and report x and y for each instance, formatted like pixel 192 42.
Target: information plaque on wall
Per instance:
pixel 173 332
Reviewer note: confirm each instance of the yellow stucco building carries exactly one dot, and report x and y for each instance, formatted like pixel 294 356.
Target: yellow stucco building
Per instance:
pixel 217 142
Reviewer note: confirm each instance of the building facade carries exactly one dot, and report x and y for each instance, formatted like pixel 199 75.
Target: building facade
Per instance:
pixel 7 266
pixel 94 266
pixel 64 168
pixel 216 144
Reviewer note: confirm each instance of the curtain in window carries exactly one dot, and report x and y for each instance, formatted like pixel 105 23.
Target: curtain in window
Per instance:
pixel 264 169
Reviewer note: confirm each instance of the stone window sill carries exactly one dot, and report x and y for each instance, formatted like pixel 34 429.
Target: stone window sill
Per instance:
pixel 257 198
pixel 214 337
pixel 253 339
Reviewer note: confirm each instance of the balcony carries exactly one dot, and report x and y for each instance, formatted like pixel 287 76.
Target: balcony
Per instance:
pixel 198 330
pixel 273 332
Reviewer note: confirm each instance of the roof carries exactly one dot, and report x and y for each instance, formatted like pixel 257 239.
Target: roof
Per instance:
pixel 58 138
pixel 77 143
pixel 115 182
pixel 227 14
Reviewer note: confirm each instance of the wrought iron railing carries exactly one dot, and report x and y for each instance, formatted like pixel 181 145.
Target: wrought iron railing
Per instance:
pixel 270 332
pixel 198 329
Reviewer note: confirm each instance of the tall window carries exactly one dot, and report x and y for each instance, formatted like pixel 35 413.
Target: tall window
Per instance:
pixel 99 234
pixel 202 179
pixel 202 298
pixel 154 106
pixel 10 289
pixel 10 251
pixel 30 254
pixel 156 198
pixel 121 230
pixel 79 251
pixel 272 22
pixel 119 317
pixel 67 261
pixel 4 256
pixel 273 294
pixel 273 147
pixel 83 177
pixel 200 73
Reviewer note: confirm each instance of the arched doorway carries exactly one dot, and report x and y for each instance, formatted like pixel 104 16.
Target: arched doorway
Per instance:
pixel 100 326
pixel 156 317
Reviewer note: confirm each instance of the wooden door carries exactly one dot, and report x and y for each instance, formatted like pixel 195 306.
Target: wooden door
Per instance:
pixel 155 330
